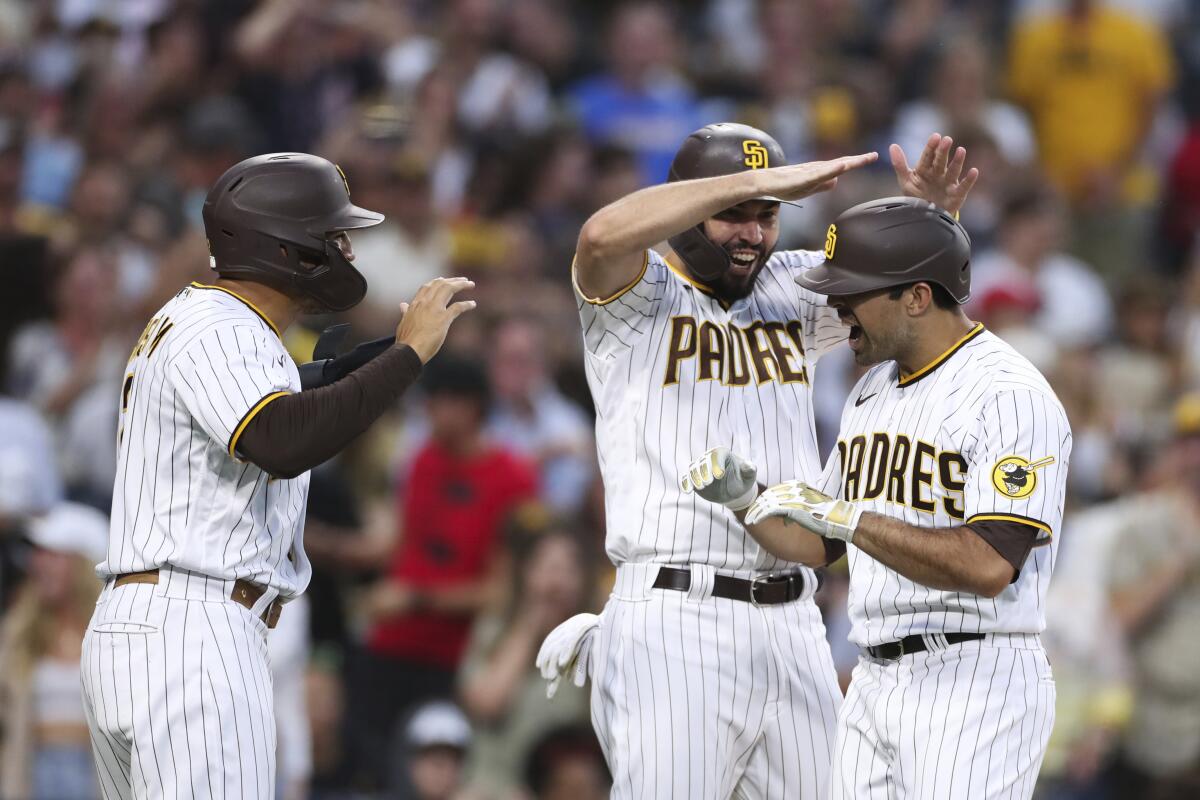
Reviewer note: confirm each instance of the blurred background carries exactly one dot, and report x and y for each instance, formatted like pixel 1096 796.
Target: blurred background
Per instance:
pixel 452 537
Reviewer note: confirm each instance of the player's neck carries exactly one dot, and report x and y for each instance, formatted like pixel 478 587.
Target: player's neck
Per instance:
pixel 280 309
pixel 941 333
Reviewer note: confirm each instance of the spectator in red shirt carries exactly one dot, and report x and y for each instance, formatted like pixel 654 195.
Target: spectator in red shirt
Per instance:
pixel 456 496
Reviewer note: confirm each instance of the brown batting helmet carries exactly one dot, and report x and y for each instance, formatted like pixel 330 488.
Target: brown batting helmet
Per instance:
pixel 892 242
pixel 722 148
pixel 268 219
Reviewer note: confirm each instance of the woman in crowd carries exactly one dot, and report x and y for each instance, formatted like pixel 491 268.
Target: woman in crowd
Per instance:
pixel 45 752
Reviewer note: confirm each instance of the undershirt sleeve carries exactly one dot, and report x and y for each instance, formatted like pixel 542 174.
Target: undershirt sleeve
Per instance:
pixel 1012 540
pixel 296 432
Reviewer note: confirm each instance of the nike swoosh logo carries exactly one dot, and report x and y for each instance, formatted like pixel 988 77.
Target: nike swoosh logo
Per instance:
pixel 862 400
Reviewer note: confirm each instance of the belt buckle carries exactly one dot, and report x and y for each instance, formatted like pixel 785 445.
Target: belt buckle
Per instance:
pixel 900 647
pixel 754 584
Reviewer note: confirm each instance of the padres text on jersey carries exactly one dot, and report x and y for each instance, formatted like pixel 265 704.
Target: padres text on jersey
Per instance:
pixel 977 435
pixel 675 371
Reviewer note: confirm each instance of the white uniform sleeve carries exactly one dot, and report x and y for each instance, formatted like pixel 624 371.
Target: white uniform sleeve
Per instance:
pixel 1017 468
pixel 830 481
pixel 822 328
pixel 227 375
pixel 611 324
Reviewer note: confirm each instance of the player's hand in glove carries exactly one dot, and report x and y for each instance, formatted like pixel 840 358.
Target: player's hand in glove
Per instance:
pixel 722 476
pixel 804 505
pixel 568 649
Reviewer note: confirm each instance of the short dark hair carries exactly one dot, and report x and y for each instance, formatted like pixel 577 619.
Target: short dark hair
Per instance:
pixel 459 376
pixel 941 295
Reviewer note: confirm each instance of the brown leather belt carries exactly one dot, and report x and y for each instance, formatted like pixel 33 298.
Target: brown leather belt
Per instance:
pixel 244 593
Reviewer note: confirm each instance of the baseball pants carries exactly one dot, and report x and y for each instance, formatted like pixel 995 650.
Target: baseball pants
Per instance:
pixel 969 720
pixel 701 697
pixel 177 690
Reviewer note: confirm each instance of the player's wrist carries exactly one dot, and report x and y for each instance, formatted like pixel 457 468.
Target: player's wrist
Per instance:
pixel 743 501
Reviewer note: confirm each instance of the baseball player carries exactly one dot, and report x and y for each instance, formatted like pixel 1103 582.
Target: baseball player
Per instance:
pixel 950 474
pixel 216 441
pixel 697 692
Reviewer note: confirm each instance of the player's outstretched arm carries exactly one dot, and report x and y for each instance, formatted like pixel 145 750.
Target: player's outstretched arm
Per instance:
pixel 938 176
pixel 296 432
pixel 952 559
pixel 611 243
pixel 721 476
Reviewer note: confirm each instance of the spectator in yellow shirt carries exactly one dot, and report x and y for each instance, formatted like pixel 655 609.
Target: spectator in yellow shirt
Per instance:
pixel 1091 78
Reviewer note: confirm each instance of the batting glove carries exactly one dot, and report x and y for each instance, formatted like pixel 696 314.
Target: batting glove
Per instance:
pixel 804 505
pixel 568 649
pixel 721 476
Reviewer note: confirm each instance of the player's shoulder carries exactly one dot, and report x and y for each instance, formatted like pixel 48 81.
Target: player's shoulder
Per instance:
pixel 204 312
pixel 1002 371
pixel 783 266
pixel 796 259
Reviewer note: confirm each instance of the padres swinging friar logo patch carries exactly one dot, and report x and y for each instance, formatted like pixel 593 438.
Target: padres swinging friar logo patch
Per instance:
pixel 1015 477
pixel 756 154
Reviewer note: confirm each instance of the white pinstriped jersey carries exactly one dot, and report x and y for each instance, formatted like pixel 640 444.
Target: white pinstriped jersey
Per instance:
pixel 674 372
pixel 976 435
pixel 205 364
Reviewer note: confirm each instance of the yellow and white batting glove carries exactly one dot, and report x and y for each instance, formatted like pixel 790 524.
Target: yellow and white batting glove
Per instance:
pixel 568 650
pixel 804 505
pixel 721 476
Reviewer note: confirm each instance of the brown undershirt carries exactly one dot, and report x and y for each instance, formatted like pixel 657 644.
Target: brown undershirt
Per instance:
pixel 298 431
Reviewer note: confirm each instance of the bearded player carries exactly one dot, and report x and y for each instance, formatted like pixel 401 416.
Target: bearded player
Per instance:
pixel 697 688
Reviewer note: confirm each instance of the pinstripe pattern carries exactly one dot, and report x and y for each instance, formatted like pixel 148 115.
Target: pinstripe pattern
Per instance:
pixel 692 696
pixel 647 432
pixel 985 403
pixel 175 677
pixel 180 498
pixel 177 689
pixel 701 697
pixel 966 721
pixel 957 721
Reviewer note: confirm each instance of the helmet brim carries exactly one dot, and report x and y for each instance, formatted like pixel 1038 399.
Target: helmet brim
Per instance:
pixel 350 218
pixel 827 279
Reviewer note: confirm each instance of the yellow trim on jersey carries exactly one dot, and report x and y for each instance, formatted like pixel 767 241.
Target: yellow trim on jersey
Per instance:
pixel 237 432
pixel 905 380
pixel 1011 518
pixel 232 293
pixel 606 300
pixel 700 286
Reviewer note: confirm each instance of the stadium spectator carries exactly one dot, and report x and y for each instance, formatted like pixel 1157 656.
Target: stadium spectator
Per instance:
pixel 457 493
pixel 499 686
pixel 1155 600
pixel 1075 309
pixel 45 750
pixel 531 417
pixel 640 101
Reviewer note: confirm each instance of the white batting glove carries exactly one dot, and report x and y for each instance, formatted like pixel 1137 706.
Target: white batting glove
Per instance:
pixel 721 476
pixel 568 649
pixel 804 505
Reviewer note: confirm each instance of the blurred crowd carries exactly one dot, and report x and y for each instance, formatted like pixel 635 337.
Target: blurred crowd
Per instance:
pixel 450 539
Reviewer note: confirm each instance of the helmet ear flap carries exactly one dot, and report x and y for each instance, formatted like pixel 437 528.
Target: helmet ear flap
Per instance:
pixel 706 260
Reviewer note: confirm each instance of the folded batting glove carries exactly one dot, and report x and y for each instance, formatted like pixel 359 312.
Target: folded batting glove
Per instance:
pixel 568 649
pixel 721 476
pixel 804 505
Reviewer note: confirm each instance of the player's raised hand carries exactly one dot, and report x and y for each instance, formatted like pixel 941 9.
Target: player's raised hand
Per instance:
pixel 938 176
pixel 428 317
pixel 801 180
pixel 808 507
pixel 721 476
